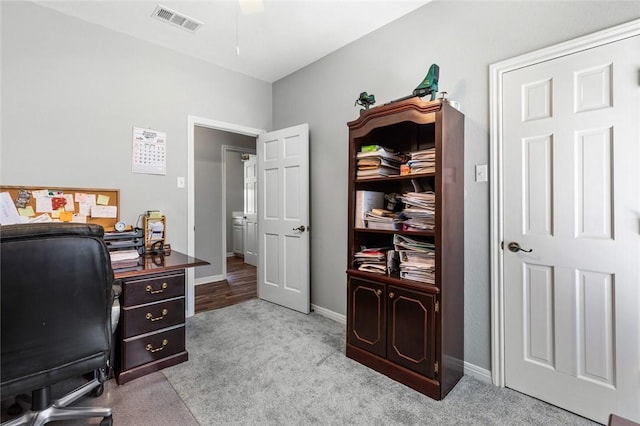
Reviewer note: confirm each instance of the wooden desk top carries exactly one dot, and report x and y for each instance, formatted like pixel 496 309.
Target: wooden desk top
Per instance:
pixel 151 264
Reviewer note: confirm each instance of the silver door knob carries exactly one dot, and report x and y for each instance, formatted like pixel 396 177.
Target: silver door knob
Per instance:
pixel 515 247
pixel 299 228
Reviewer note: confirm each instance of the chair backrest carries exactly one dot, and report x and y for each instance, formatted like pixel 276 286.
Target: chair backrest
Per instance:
pixel 56 293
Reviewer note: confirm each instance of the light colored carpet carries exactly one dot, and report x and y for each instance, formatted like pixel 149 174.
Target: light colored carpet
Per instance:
pixel 258 363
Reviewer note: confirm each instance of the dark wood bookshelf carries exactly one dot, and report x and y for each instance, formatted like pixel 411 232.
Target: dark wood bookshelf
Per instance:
pixel 409 330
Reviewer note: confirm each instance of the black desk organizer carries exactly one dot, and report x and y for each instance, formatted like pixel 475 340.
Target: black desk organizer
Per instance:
pixel 128 240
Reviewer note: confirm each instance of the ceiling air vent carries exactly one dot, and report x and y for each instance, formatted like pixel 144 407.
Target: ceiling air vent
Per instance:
pixel 174 18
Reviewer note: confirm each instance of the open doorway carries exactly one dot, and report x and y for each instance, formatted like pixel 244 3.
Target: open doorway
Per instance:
pixel 207 218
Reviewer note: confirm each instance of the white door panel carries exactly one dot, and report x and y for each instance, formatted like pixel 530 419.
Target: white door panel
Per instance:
pixel 571 195
pixel 283 167
pixel 251 211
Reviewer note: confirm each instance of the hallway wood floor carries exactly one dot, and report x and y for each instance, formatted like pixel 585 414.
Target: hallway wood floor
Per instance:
pixel 239 286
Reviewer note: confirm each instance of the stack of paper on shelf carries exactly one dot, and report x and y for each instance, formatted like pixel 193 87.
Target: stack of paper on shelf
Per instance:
pixel 381 219
pixel 375 161
pixel 419 211
pixel 417 259
pixel 371 260
pixel 402 242
pixel 366 201
pixel 423 161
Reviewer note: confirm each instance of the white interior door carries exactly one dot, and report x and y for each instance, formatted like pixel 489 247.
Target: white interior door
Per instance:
pixel 250 243
pixel 283 217
pixel 572 200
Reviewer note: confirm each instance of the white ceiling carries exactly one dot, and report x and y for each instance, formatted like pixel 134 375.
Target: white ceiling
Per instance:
pixel 286 36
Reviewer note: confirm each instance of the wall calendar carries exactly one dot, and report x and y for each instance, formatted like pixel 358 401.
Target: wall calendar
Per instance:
pixel 149 151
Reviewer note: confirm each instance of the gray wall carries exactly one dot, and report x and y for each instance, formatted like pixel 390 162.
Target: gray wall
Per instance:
pixel 464 38
pixel 208 193
pixel 72 91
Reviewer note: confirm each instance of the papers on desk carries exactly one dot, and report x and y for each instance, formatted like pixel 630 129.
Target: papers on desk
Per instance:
pixel 125 260
pixel 120 255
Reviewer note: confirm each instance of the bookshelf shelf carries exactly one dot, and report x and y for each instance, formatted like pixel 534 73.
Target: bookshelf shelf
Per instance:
pixel 394 178
pixel 409 330
pixel 417 285
pixel 392 232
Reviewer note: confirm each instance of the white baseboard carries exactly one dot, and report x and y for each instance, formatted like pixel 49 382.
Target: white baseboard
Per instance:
pixel 230 254
pixel 342 319
pixel 477 372
pixel 209 279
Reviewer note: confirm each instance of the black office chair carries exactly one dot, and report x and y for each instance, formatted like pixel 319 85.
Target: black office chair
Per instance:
pixel 56 296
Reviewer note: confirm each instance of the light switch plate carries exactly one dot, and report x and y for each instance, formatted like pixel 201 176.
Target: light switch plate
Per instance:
pixel 481 173
pixel 180 181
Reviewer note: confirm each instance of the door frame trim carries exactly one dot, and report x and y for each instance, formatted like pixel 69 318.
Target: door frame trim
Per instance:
pixel 496 188
pixel 192 122
pixel 223 201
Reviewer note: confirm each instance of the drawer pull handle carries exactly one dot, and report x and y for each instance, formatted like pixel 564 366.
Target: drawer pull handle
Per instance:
pixel 152 291
pixel 150 317
pixel 150 348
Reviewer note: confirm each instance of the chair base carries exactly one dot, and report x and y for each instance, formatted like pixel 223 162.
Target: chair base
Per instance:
pixel 44 410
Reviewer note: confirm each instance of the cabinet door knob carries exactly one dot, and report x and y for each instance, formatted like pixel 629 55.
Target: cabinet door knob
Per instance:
pixel 378 292
pixel 392 295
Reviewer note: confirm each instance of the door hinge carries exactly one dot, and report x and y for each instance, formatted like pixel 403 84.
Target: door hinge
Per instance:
pixel 437 306
pixel 502 245
pixel 435 367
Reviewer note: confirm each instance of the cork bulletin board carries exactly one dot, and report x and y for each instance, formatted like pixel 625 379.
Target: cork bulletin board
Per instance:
pixel 85 205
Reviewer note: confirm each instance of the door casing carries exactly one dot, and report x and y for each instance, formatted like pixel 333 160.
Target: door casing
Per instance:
pixel 223 201
pixel 496 73
pixel 192 122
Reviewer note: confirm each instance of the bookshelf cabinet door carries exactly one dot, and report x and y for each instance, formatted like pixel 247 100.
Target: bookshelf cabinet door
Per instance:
pixel 411 334
pixel 366 323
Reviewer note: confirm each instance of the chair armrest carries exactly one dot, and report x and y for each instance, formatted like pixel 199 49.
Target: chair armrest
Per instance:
pixel 116 289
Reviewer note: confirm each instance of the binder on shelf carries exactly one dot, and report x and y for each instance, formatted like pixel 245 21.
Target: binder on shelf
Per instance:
pixel 366 201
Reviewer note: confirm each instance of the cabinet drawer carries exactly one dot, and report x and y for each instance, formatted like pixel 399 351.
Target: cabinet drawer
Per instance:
pixel 152 347
pixel 151 317
pixel 153 289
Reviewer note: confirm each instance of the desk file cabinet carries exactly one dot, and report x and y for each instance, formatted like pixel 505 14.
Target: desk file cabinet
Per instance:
pixel 152 324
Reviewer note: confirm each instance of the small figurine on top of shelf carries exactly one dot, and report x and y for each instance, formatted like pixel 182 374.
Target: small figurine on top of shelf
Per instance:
pixel 365 100
pixel 428 86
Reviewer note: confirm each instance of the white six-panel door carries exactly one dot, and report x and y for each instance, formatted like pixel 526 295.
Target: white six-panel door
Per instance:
pixel 250 235
pixel 571 144
pixel 283 217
